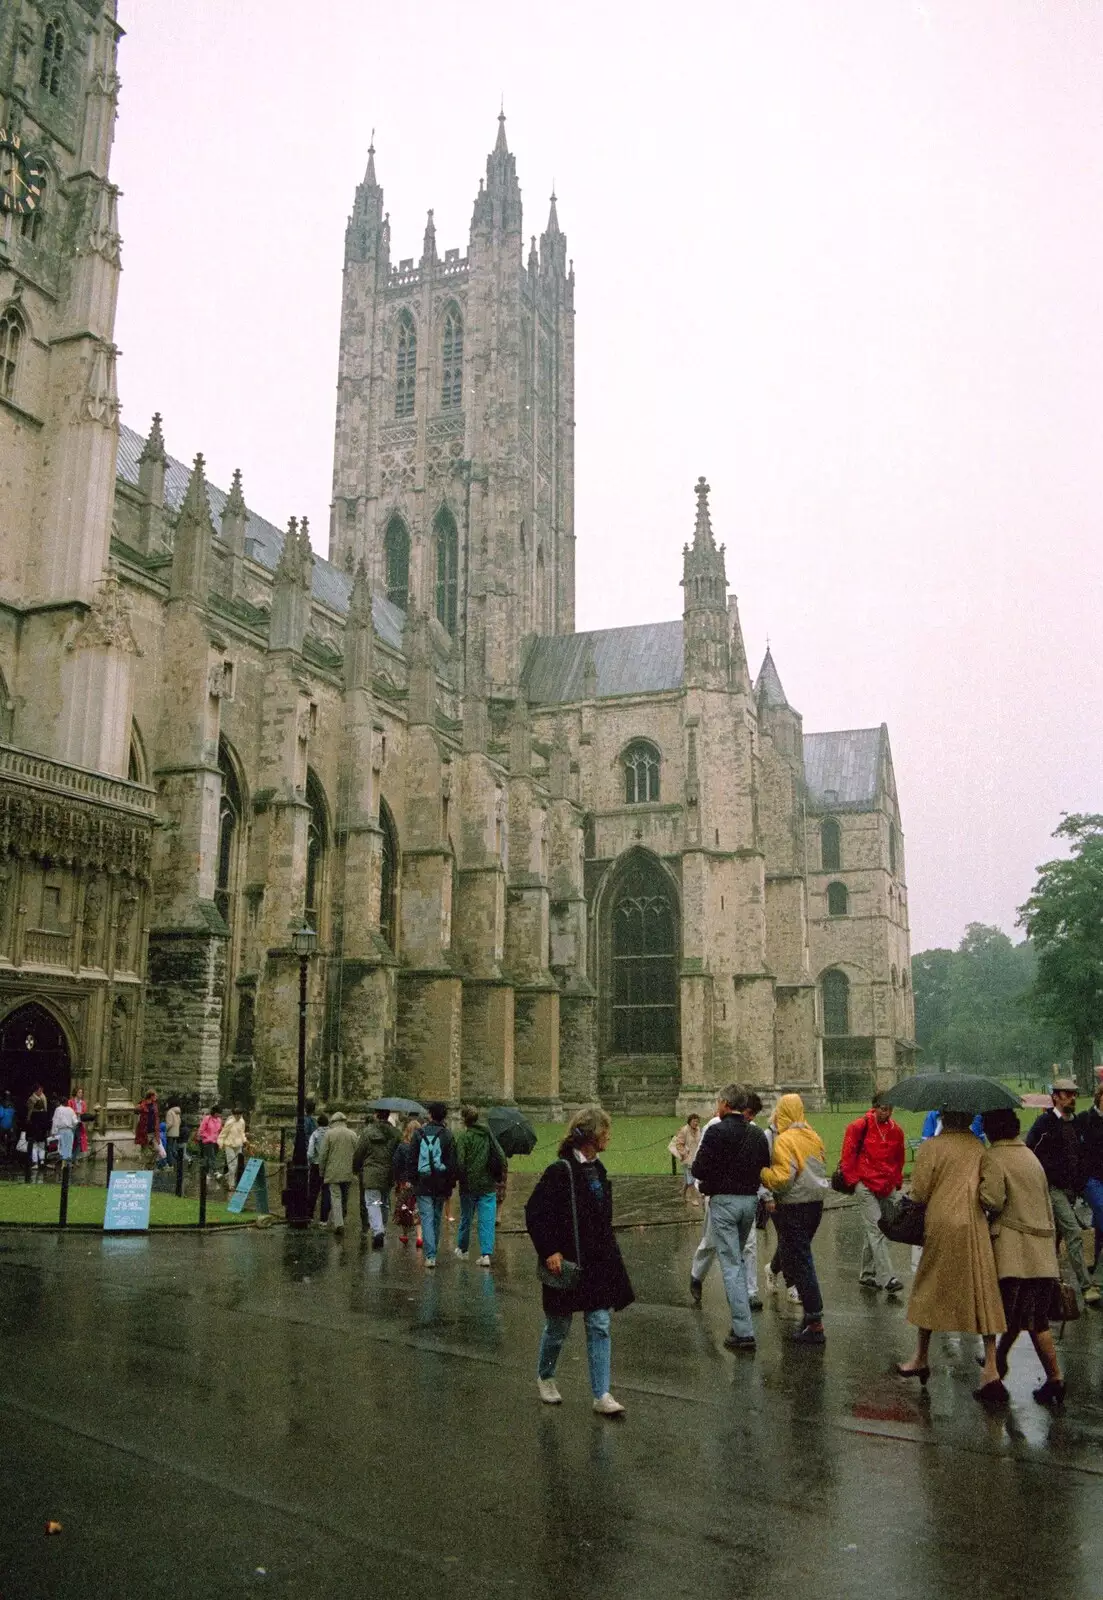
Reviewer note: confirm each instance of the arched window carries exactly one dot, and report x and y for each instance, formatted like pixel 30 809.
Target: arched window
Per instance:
pixel 11 337
pixel 830 845
pixel 53 54
pixel 7 712
pixel 836 1003
pixel 229 826
pixel 892 848
pixel 136 768
pixel 405 366
pixel 388 878
pixel 396 556
pixel 644 961
pixel 837 900
pixel 641 773
pixel 444 528
pixel 317 840
pixel 32 223
pixel 451 384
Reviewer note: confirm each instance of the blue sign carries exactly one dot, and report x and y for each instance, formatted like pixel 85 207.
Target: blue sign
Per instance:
pixel 253 1176
pixel 127 1208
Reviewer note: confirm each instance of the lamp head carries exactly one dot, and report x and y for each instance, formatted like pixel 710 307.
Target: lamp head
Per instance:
pixel 304 941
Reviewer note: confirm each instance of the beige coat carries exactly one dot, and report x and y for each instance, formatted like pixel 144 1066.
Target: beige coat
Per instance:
pixel 1013 1184
pixel 955 1289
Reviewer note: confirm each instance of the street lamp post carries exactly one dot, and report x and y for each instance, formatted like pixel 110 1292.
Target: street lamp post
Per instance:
pixel 296 1196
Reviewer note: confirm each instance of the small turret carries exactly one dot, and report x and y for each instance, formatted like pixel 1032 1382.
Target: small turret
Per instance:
pixel 368 232
pixel 498 205
pixel 777 718
pixel 359 633
pixel 553 244
pixel 291 590
pixel 429 245
pixel 705 615
pixel 191 543
pixel 151 486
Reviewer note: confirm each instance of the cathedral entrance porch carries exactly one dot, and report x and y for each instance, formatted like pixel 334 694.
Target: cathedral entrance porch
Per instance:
pixel 34 1052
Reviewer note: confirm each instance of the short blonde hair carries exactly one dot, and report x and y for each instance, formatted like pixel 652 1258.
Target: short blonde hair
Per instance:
pixel 585 1126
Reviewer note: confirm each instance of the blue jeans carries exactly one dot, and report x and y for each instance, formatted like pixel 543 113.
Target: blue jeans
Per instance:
pixel 554 1337
pixel 1093 1194
pixel 796 1225
pixel 430 1209
pixel 730 1221
pixel 484 1209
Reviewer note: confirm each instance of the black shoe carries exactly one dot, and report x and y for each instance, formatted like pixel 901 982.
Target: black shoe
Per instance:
pixel 755 1303
pixel 695 1289
pixel 736 1341
pixel 378 1241
pixel 1052 1392
pixel 811 1333
pixel 894 1286
pixel 991 1394
pixel 922 1373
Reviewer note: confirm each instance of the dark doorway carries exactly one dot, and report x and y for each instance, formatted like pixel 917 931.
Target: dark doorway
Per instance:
pixel 33 1051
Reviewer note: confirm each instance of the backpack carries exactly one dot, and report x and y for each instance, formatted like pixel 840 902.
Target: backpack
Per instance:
pixel 430 1156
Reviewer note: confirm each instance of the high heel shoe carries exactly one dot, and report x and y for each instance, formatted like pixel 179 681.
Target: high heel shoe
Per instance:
pixel 991 1394
pixel 1052 1392
pixel 922 1373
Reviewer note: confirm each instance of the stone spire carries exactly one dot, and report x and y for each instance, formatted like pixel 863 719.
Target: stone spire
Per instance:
pixel 501 148
pixel 291 591
pixel 368 232
pixel 151 486
pixel 767 688
pixel 498 206
pixel 192 541
pixel 359 633
pixel 154 447
pixel 429 245
pixel 553 244
pixel 705 616
pixel 235 517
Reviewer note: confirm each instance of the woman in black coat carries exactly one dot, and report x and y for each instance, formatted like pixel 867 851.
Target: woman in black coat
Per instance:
pixel 581 1236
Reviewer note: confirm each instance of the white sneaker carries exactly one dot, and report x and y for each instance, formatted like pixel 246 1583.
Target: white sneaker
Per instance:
pixel 430 1263
pixel 769 1281
pixel 793 1295
pixel 483 1261
pixel 461 1255
pixel 608 1407
pixel 548 1392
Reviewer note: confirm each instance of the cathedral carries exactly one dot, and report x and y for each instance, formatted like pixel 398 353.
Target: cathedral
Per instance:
pixel 541 866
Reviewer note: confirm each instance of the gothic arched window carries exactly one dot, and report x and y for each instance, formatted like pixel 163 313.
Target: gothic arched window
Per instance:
pixel 32 223
pixel 396 556
pixel 830 845
pixel 53 54
pixel 388 878
pixel 11 337
pixel 451 385
pixel 892 848
pixel 836 1002
pixel 644 962
pixel 229 826
pixel 137 767
pixel 405 366
pixel 641 773
pixel 837 900
pixel 317 840
pixel 444 528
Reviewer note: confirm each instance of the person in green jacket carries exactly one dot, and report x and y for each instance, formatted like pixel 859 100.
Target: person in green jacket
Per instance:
pixel 373 1165
pixel 481 1165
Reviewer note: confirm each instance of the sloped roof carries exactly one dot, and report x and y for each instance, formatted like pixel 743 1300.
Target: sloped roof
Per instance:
pixel 640 660
pixel 263 540
pixel 842 770
pixel 768 684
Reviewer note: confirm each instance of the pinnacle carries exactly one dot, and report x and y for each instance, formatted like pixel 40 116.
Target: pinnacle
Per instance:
pixel 702 533
pixel 154 447
pixel 196 502
pixel 553 217
pixel 500 146
pixel 235 500
pixel 768 683
pixel 370 181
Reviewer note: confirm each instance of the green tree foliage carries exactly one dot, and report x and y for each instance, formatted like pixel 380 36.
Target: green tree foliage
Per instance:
pixel 1064 918
pixel 972 1007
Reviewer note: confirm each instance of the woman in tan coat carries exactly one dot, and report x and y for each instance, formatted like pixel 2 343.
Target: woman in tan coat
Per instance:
pixel 1015 1194
pixel 955 1289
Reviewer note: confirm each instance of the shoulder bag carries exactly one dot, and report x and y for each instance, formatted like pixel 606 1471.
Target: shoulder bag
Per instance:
pixel 904 1221
pixel 838 1182
pixel 569 1275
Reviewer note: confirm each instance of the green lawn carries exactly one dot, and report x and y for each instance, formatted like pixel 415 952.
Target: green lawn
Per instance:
pixel 38 1202
pixel 639 1144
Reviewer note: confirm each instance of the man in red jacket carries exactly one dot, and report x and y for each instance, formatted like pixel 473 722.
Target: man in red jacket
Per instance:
pixel 873 1161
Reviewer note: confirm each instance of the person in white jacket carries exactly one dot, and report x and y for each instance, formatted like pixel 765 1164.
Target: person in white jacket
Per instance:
pixel 231 1141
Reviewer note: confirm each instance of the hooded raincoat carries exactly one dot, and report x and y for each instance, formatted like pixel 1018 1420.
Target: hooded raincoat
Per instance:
pixel 798 1173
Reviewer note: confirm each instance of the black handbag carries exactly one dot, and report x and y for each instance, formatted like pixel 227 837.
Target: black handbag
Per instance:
pixel 903 1222
pixel 839 1183
pixel 569 1275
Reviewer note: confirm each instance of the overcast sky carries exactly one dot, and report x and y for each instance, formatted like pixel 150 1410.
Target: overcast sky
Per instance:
pixel 845 260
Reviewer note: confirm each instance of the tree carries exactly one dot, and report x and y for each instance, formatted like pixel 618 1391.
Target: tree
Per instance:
pixel 972 1010
pixel 1064 919
pixel 931 977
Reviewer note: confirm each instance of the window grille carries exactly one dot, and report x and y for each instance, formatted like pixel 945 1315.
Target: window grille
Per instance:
pixel 405 367
pixel 641 773
pixel 451 389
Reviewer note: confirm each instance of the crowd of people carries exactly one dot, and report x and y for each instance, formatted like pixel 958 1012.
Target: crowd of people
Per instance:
pixel 43 1124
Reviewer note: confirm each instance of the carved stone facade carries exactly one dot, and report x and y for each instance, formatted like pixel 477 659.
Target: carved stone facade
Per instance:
pixel 541 865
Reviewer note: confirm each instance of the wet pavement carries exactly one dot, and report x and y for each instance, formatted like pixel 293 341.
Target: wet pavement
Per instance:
pixel 206 1414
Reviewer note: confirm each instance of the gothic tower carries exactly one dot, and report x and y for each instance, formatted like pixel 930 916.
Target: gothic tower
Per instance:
pixel 453 476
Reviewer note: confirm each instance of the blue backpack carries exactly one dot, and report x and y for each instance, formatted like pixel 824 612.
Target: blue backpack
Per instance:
pixel 430 1156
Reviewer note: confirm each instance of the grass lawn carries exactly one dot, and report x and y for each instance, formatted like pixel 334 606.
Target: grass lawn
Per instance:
pixel 38 1202
pixel 639 1144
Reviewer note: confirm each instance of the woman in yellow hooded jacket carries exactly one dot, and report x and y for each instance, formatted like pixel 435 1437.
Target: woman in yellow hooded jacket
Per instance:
pixel 797 1181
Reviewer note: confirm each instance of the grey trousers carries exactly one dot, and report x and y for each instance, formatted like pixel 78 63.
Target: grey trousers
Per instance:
pixel 876 1261
pixel 1068 1229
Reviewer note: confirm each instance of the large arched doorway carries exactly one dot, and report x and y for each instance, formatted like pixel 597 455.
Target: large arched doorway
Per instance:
pixel 33 1051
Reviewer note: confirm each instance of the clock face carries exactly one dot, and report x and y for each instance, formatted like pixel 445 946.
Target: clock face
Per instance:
pixel 21 175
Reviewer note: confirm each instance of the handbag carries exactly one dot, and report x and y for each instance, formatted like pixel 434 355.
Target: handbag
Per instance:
pixel 838 1182
pixel 1068 1302
pixel 569 1275
pixel 903 1222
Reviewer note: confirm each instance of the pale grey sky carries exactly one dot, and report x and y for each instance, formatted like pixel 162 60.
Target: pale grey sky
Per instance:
pixel 845 260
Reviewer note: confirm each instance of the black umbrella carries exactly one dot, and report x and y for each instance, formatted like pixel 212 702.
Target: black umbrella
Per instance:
pixel 949 1091
pixel 410 1108
pixel 515 1135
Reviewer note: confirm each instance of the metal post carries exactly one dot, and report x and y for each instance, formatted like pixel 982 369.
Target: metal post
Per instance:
pixel 203 1196
pixel 179 1170
pixel 63 1208
pixel 110 1159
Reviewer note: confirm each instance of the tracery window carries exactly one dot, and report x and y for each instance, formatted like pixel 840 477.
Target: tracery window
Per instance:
pixel 396 556
pixel 830 845
pixel 447 539
pixel 451 387
pixel 641 773
pixel 229 823
pixel 11 337
pixel 836 1002
pixel 838 900
pixel 53 54
pixel 644 989
pixel 388 878
pixel 405 367
pixel 317 838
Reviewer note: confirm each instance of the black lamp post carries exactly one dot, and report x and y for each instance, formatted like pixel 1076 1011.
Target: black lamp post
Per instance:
pixel 296 1200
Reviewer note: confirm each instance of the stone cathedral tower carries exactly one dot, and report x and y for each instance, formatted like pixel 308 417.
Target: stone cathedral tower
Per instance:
pixel 453 465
